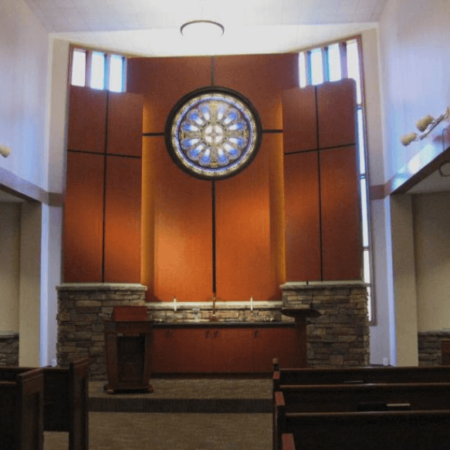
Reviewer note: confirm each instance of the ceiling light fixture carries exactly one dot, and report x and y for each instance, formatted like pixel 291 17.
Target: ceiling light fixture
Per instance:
pixel 202 29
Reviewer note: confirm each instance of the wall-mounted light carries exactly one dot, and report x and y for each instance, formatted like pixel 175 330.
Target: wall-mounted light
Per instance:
pixel 425 125
pixel 444 169
pixel 4 151
pixel 202 30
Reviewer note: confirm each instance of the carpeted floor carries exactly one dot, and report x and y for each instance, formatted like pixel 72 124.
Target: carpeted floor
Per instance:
pixel 216 430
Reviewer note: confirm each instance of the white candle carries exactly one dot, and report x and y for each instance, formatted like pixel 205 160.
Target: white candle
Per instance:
pixel 175 304
pixel 251 303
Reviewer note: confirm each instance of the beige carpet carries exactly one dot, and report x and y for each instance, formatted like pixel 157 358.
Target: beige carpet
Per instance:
pixel 179 431
pixel 141 431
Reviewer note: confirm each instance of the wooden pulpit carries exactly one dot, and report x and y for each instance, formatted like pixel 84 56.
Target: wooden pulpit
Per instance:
pixel 301 315
pixel 128 338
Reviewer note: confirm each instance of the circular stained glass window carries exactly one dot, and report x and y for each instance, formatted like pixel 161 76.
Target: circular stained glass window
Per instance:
pixel 213 133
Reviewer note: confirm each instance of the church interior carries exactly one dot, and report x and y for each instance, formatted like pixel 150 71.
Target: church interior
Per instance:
pixel 280 191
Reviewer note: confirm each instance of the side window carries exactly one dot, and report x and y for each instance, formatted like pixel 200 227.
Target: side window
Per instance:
pixel 98 70
pixel 334 62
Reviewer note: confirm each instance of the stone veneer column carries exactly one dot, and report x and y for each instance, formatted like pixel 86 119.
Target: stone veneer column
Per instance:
pixel 340 336
pixel 82 309
pixel 9 349
pixel 430 347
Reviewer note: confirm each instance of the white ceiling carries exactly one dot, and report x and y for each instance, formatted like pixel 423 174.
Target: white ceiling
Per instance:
pixel 150 27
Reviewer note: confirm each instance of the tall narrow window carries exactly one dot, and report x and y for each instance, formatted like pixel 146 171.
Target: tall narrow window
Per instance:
pixel 343 60
pixel 78 68
pixel 316 66
pixel 116 73
pixel 97 80
pixel 302 69
pixel 98 70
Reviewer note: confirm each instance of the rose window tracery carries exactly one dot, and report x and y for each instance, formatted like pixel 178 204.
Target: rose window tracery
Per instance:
pixel 213 134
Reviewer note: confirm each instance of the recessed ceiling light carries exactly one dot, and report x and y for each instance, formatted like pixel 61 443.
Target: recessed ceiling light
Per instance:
pixel 202 29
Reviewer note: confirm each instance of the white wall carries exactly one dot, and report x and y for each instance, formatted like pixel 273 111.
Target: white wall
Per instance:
pixel 52 216
pixel 414 36
pixel 431 214
pixel 415 64
pixel 23 75
pixel 33 115
pixel 382 333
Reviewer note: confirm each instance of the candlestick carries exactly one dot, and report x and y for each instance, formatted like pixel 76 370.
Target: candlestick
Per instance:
pixel 251 303
pixel 174 304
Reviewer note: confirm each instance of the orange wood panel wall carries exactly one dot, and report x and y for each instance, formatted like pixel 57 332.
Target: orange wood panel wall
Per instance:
pixel 83 218
pixel 262 79
pixel 124 124
pixel 299 119
pixel 341 238
pixel 182 231
pixel 336 111
pixel 87 119
pixel 245 257
pixel 163 81
pixel 111 221
pixel 322 225
pixel 122 252
pixel 302 206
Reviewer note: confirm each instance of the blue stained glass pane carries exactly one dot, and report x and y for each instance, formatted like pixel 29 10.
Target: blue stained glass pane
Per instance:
pixel 206 157
pixel 194 116
pixel 240 142
pixel 187 143
pixel 187 126
pixel 204 109
pixel 194 153
pixel 237 126
pixel 222 157
pixel 232 116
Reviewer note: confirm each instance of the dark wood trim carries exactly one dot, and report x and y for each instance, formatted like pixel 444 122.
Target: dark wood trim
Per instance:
pixel 121 155
pixel 105 168
pixel 55 199
pixel 377 192
pixel 433 153
pixel 12 184
pixel 214 249
pixel 272 131
pixel 213 70
pixel 319 185
pixel 153 134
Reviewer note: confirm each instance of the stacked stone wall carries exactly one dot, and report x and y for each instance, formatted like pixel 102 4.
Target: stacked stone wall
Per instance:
pixel 340 336
pixel 430 347
pixel 82 310
pixel 9 349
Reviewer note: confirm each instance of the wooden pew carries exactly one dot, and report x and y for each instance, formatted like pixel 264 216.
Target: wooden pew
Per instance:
pixel 287 441
pixel 65 400
pixel 365 397
pixel 360 375
pixel 21 411
pixel 392 430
